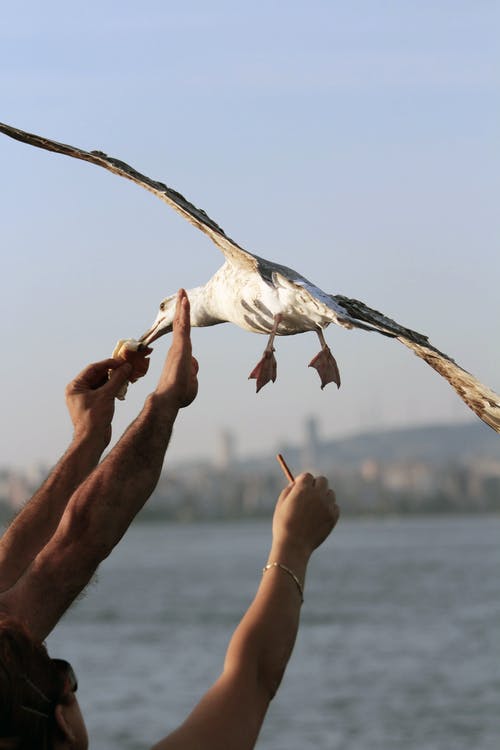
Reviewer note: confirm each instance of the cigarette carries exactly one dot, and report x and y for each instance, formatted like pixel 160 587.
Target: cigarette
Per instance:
pixel 286 470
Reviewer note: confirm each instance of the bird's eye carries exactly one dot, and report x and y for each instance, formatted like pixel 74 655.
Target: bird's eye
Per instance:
pixel 162 306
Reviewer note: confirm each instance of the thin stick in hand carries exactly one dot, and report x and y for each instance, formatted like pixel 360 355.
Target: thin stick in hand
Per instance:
pixel 286 470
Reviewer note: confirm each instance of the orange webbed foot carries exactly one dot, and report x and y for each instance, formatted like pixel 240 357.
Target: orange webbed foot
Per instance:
pixel 327 368
pixel 265 370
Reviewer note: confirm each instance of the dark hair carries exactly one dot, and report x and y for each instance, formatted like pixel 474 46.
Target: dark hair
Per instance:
pixel 30 687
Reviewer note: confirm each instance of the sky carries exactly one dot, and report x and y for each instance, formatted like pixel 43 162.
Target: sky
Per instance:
pixel 357 142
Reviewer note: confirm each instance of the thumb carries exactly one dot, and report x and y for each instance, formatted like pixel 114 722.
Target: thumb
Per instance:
pixel 285 492
pixel 117 378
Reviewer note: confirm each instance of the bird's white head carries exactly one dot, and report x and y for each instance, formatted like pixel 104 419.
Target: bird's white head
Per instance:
pixel 163 321
pixel 200 300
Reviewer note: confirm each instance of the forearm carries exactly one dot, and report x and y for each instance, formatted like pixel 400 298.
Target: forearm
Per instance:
pixel 95 519
pixel 264 639
pixel 36 523
pixel 105 504
pixel 231 713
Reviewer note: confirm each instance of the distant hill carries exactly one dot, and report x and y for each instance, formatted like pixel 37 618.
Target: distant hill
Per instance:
pixel 438 468
pixel 433 444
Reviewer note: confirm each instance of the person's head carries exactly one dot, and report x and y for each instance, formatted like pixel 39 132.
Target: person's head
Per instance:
pixel 38 706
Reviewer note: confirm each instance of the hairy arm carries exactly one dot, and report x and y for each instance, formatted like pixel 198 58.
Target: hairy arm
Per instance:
pixel 231 713
pixel 90 399
pixel 103 506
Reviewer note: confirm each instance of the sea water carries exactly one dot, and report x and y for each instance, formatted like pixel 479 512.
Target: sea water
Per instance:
pixel 399 644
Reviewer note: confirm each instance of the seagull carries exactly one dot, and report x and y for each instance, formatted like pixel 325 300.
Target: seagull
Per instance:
pixel 268 298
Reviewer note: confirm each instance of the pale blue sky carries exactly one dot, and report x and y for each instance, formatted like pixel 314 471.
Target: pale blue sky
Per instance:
pixel 357 142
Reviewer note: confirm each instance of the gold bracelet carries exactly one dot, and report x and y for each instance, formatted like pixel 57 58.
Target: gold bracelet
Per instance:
pixel 290 573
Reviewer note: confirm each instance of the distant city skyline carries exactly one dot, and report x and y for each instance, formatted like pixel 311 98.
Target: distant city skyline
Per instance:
pixel 355 142
pixel 435 469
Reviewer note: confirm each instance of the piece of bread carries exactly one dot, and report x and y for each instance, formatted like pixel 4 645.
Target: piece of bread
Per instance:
pixel 128 350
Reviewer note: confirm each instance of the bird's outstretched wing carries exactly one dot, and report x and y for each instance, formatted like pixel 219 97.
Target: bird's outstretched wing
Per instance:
pixel 344 311
pixel 483 401
pixel 175 200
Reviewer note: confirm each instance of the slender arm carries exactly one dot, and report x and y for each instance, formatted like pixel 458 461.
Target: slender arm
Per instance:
pixel 231 713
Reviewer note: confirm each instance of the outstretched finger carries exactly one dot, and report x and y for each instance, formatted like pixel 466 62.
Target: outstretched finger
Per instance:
pixel 182 321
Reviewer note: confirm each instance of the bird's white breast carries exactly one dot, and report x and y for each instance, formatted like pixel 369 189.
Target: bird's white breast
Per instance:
pixel 244 298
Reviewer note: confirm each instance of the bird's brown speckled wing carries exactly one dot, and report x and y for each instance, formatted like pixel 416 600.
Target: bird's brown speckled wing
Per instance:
pixel 195 216
pixel 482 400
pixel 345 311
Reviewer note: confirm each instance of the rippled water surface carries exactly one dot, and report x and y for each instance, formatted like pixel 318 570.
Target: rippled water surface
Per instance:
pixel 399 644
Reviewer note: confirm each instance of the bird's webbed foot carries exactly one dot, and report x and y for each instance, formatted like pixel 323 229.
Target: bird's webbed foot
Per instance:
pixel 325 364
pixel 264 370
